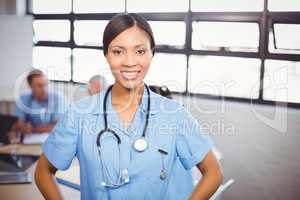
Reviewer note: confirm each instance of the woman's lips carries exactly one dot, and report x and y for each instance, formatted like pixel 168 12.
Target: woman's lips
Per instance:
pixel 130 75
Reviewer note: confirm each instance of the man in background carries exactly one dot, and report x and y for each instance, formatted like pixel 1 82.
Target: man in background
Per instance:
pixel 39 110
pixel 96 84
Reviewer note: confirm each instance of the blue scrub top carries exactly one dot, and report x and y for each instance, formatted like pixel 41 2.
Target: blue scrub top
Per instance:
pixel 170 128
pixel 40 113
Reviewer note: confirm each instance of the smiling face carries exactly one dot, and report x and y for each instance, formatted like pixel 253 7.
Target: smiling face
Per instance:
pixel 129 56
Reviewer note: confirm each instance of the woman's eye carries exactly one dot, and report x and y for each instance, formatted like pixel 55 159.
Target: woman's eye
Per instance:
pixel 116 52
pixel 141 51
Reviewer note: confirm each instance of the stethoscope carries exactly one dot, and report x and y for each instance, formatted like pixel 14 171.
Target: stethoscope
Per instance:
pixel 139 145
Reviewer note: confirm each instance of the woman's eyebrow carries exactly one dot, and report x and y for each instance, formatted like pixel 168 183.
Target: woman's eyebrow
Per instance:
pixel 116 46
pixel 140 45
pixel 135 46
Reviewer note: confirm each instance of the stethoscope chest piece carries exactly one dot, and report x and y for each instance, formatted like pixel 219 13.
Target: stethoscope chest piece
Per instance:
pixel 163 175
pixel 140 144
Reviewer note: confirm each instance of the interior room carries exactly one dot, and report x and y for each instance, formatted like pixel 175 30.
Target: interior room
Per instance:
pixel 229 68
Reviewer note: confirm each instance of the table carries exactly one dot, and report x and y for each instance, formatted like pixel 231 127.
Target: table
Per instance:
pixel 29 191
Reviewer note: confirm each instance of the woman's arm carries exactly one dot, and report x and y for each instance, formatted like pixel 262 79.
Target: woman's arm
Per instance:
pixel 45 180
pixel 212 178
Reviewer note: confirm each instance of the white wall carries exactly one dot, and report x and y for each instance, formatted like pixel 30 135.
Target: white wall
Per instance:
pixel 15 51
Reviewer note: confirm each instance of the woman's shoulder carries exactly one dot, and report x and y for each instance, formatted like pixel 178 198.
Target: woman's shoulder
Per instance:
pixel 166 105
pixel 89 105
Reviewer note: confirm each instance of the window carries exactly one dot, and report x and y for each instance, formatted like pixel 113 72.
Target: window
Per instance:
pixel 162 32
pixel 157 6
pixel 51 30
pixel 226 5
pixel 231 36
pixel 213 47
pixel 51 6
pixel 54 61
pixel 281 81
pixel 224 76
pixel 89 32
pixel 286 5
pixel 98 6
pixel 285 39
pixel 89 62
pixel 168 70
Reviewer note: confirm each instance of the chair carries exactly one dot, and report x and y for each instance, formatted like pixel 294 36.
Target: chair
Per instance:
pixel 221 189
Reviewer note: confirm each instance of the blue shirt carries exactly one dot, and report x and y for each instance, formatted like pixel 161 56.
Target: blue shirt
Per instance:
pixel 40 113
pixel 170 128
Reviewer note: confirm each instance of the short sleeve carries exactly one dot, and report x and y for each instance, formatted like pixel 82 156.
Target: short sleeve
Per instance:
pixel 61 146
pixel 192 143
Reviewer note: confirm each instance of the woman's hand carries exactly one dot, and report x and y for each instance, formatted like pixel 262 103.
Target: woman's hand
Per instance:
pixel 45 180
pixel 211 180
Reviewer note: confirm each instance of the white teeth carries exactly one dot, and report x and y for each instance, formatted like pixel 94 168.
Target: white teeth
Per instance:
pixel 129 75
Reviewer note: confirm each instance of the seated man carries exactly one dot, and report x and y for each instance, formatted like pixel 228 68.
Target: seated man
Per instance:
pixel 96 84
pixel 39 110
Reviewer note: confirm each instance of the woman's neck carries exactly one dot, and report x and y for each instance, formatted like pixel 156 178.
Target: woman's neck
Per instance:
pixel 122 96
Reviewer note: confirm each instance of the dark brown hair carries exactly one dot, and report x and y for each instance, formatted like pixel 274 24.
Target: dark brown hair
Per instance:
pixel 32 74
pixel 162 90
pixel 120 23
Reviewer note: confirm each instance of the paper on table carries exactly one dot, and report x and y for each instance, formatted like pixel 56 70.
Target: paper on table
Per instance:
pixel 35 138
pixel 20 149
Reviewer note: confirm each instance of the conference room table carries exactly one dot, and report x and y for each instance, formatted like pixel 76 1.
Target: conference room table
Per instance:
pixel 30 190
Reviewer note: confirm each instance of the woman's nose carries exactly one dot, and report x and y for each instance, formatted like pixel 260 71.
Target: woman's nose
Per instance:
pixel 129 60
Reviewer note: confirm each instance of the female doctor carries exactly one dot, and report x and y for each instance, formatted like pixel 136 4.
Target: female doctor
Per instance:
pixel 134 144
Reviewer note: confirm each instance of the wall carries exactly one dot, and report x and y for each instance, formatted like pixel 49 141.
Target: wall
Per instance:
pixel 259 143
pixel 15 51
